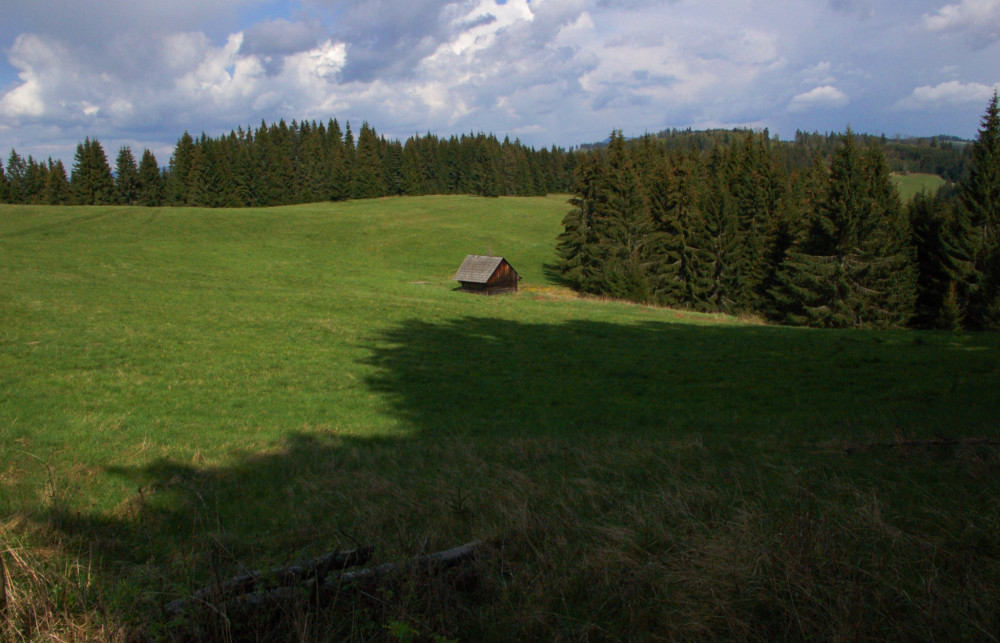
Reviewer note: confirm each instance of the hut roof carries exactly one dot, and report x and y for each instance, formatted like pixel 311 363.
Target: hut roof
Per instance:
pixel 477 269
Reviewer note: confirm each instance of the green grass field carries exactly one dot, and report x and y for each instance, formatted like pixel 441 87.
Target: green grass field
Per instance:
pixel 913 183
pixel 186 393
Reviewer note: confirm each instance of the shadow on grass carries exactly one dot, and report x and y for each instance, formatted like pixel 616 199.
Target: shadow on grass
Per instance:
pixel 554 275
pixel 503 413
pixel 499 378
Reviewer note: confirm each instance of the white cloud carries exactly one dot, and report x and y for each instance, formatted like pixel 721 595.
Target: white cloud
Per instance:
pixel 978 20
pixel 820 74
pixel 823 97
pixel 563 71
pixel 945 94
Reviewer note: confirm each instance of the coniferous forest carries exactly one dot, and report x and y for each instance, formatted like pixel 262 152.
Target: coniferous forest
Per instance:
pixel 807 232
pixel 728 227
pixel 283 164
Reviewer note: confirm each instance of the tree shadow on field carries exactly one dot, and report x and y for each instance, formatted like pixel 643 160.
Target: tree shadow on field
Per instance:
pixel 494 378
pixel 553 274
pixel 489 404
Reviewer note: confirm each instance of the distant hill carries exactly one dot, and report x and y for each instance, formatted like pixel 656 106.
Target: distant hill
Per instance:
pixel 942 155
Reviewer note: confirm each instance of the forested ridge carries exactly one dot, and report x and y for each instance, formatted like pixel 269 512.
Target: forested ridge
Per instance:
pixel 726 226
pixel 942 155
pixel 282 164
pixel 301 162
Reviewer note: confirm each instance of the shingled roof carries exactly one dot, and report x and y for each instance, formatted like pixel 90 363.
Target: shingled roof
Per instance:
pixel 477 269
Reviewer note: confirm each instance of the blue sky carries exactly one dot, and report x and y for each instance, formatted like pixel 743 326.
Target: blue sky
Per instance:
pixel 564 72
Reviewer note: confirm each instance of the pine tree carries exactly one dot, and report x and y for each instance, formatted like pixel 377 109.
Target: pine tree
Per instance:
pixel 855 265
pixel 36 176
pixel 17 170
pixel 413 170
pixel 622 226
pixel 980 196
pixel 684 247
pixel 485 171
pixel 340 181
pixel 151 191
pixel 57 189
pixel 393 170
pixel 91 182
pixel 721 242
pixel 179 170
pixel 126 177
pixel 368 178
pixel 757 190
pixel 576 244
pixel 4 187
pixel 350 158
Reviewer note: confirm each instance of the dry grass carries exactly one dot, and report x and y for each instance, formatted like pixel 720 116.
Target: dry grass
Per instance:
pixel 47 596
pixel 611 538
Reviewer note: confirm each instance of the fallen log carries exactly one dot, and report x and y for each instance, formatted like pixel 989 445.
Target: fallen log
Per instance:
pixel 924 443
pixel 320 590
pixel 315 569
pixel 318 587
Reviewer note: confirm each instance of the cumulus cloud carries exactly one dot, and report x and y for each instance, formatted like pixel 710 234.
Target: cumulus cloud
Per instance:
pixel 976 20
pixel 823 97
pixel 563 71
pixel 947 94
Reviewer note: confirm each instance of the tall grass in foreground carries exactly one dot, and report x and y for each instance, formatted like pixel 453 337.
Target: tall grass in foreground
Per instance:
pixel 606 538
pixel 187 394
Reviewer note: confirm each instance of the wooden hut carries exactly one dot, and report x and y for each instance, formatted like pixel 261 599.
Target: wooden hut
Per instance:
pixel 486 275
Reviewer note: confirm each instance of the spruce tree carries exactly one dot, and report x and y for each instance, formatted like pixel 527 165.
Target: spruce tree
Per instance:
pixel 685 253
pixel 393 169
pixel 340 184
pixel 126 177
pixel 854 267
pixel 622 226
pixel 91 182
pixel 368 177
pixel 36 176
pixel 980 196
pixel 577 243
pixel 179 170
pixel 722 241
pixel 413 170
pixel 4 187
pixel 151 191
pixel 57 189
pixel 17 170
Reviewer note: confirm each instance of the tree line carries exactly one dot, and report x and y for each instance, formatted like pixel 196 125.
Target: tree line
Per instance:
pixel 729 228
pixel 942 155
pixel 282 164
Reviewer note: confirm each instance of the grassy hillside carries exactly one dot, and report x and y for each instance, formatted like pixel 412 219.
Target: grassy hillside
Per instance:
pixel 187 393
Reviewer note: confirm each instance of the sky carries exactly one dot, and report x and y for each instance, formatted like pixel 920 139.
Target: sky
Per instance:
pixel 549 72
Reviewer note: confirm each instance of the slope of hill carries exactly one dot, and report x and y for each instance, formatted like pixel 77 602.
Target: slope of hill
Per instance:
pixel 186 393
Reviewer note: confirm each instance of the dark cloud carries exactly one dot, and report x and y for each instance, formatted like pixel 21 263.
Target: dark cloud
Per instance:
pixel 96 21
pixel 388 38
pixel 272 40
pixel 280 37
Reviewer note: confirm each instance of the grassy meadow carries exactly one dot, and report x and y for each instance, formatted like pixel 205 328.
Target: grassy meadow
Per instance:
pixel 186 394
pixel 911 184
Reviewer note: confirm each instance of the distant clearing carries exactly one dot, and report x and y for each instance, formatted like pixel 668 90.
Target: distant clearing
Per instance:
pixel 912 184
